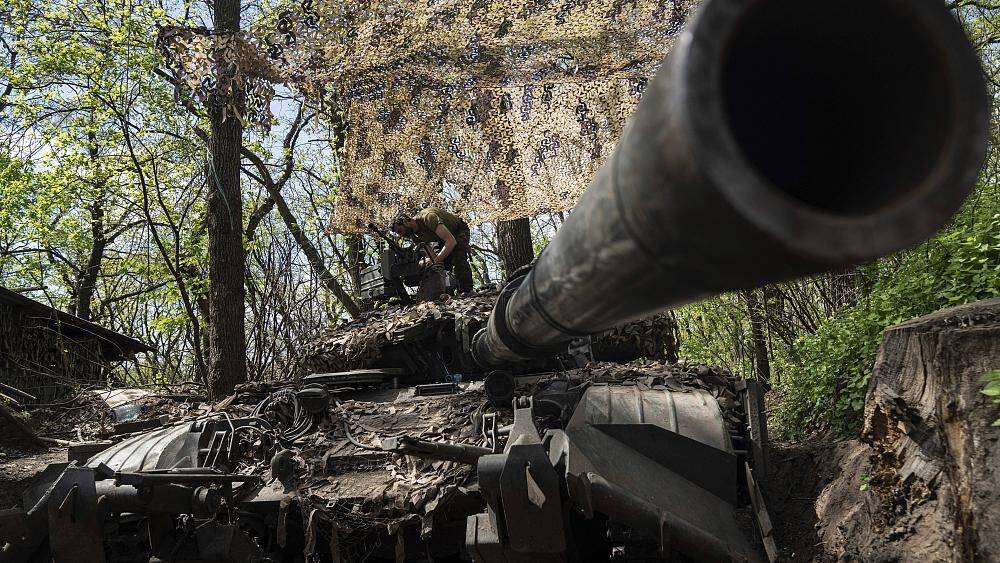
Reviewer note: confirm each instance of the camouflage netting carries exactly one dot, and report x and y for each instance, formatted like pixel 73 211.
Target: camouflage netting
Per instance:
pixel 193 53
pixel 359 344
pixel 498 109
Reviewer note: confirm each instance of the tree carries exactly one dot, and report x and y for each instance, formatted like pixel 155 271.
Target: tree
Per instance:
pixel 9 54
pixel 103 178
pixel 274 187
pixel 226 255
pixel 64 83
pixel 514 244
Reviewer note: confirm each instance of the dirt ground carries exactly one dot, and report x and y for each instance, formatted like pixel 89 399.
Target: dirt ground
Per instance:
pixel 800 472
pixel 19 463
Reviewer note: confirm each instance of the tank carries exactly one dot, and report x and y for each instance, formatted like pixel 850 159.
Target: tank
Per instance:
pixel 791 125
pixel 810 136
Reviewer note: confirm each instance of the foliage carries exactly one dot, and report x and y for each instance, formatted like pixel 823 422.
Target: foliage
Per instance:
pixel 823 334
pixel 14 193
pixel 821 374
pixel 86 108
pixel 829 382
pixel 109 220
pixel 991 388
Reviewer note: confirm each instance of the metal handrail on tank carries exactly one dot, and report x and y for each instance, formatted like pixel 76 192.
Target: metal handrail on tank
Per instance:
pixel 779 139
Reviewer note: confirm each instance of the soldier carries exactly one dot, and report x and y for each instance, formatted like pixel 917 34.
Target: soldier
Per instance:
pixel 437 225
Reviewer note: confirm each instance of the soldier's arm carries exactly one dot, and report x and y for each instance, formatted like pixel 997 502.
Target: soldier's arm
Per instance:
pixel 449 243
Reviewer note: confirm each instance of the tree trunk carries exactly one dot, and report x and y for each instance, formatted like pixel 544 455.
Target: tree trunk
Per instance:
pixel 774 322
pixel 761 364
pixel 226 255
pixel 484 271
pixel 313 255
pixel 355 243
pixel 87 281
pixel 923 485
pixel 200 314
pixel 514 244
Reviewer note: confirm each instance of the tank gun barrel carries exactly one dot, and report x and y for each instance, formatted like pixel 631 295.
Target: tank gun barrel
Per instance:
pixel 779 139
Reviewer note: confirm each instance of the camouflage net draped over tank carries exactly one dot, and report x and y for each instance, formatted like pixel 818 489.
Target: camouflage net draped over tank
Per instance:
pixel 359 344
pixel 498 109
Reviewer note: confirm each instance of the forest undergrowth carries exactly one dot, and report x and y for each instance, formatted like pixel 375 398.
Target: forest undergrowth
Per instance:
pixel 821 336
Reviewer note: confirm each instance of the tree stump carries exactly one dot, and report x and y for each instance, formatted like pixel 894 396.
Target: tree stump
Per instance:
pixel 926 485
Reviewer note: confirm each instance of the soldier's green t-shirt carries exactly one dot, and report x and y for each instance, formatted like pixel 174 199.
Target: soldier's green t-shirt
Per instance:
pixel 429 219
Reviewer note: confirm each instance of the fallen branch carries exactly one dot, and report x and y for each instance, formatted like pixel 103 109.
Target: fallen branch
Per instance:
pixel 16 391
pixel 55 441
pixel 19 425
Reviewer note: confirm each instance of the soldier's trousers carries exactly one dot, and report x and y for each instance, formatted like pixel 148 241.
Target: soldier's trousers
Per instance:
pixel 458 261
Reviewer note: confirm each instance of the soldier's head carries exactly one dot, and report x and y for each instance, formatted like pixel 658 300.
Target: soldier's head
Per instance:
pixel 404 225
